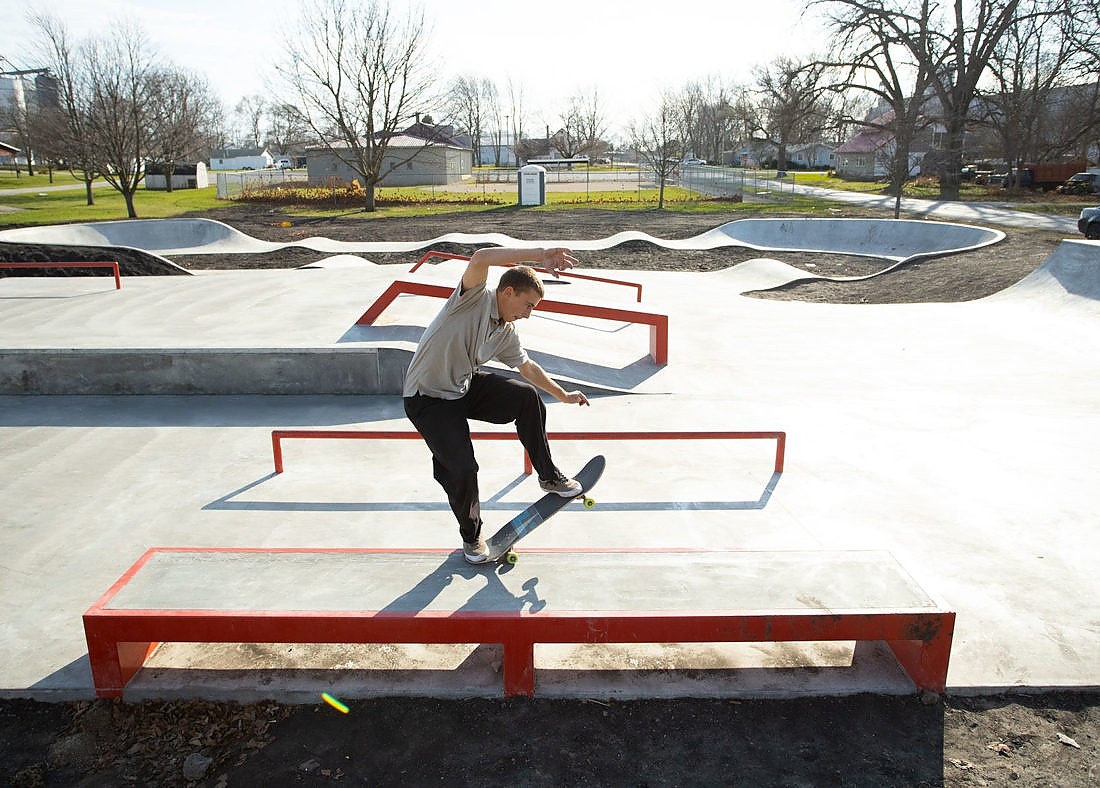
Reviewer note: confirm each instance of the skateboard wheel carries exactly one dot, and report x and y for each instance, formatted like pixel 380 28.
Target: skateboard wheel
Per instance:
pixel 589 503
pixel 511 557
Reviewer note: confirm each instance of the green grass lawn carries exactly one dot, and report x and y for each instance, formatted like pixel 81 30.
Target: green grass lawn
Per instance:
pixel 9 180
pixel 64 207
pixel 68 206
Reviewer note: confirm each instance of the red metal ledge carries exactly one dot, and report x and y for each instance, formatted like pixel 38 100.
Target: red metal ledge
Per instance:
pixel 120 636
pixel 112 265
pixel 658 324
pixel 278 436
pixel 569 274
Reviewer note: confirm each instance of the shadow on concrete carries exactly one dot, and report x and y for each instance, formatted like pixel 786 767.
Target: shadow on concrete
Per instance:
pixel 167 410
pixel 494 503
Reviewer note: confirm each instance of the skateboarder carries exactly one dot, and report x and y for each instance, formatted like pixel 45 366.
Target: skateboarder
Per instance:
pixel 444 387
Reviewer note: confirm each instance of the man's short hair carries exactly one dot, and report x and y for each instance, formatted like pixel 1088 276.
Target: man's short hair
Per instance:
pixel 522 278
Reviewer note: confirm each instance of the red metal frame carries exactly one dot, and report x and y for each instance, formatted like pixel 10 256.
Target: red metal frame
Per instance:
pixel 658 324
pixel 120 640
pixel 111 265
pixel 571 274
pixel 278 436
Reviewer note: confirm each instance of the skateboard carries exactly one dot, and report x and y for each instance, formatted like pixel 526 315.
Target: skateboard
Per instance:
pixel 500 543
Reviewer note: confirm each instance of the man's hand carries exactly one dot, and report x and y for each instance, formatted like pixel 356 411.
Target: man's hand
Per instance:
pixel 536 375
pixel 575 398
pixel 558 259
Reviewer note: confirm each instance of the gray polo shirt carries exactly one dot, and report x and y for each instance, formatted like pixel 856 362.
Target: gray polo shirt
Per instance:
pixel 465 334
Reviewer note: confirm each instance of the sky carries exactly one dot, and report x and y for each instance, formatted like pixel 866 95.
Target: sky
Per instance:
pixel 627 51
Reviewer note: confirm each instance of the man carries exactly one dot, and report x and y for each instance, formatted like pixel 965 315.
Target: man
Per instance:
pixel 444 387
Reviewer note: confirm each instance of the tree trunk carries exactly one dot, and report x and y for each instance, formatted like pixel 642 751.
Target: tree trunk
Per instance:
pixel 89 196
pixel 129 197
pixel 950 174
pixel 368 199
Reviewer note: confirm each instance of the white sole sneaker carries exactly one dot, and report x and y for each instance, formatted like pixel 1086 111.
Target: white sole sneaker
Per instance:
pixel 570 488
pixel 479 553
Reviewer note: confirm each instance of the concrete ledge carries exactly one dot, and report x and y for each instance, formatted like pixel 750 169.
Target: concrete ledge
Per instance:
pixel 203 371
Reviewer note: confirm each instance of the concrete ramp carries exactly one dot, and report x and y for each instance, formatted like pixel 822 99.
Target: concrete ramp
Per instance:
pixel 895 240
pixel 1071 275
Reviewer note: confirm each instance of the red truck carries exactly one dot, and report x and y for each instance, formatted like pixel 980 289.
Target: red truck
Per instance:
pixel 1049 174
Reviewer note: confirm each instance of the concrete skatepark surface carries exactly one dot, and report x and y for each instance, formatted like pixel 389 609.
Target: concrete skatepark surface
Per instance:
pixel 958 437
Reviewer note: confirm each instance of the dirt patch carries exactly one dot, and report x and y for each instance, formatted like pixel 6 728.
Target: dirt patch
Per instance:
pixel 858 741
pixel 1047 739
pixel 958 277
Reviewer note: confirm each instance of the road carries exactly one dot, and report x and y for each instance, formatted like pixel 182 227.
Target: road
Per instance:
pixel 972 212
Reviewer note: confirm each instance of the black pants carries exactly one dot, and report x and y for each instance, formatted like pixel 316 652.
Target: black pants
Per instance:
pixel 444 427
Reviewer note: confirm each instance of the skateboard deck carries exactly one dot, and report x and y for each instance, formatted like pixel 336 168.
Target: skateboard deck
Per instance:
pixel 500 543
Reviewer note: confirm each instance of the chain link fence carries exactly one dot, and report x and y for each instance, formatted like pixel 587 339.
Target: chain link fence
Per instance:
pixel 705 180
pixel 232 184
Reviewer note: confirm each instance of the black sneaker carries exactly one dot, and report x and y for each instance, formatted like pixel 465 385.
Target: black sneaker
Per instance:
pixel 562 485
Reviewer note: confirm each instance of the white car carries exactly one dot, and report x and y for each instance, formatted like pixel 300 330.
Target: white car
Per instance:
pixel 1089 223
pixel 693 162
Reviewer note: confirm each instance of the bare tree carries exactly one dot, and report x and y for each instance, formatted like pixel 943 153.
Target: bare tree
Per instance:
pixel 249 113
pixel 517 118
pixel 1041 73
pixel 471 104
pixel 955 46
pixel 119 84
pixel 870 56
pixel 70 132
pixel 659 141
pixel 583 126
pixel 793 105
pixel 287 128
pixel 183 112
pixel 715 126
pixel 496 122
pixel 357 75
pixel 18 115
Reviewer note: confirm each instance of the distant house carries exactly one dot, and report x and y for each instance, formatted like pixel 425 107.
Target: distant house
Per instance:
pixel 8 154
pixel 497 149
pixel 241 159
pixel 184 176
pixel 422 155
pixel 812 156
pixel 866 155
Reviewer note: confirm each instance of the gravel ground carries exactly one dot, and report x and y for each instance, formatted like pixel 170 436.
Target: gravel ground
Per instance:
pixel 1035 739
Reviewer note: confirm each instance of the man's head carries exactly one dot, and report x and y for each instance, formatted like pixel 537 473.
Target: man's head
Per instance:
pixel 518 293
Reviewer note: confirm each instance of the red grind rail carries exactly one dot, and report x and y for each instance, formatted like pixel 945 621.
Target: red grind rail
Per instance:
pixel 658 324
pixel 278 436
pixel 570 274
pixel 112 265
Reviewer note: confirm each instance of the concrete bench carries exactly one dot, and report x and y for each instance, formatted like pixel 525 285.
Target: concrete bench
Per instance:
pixel 293 595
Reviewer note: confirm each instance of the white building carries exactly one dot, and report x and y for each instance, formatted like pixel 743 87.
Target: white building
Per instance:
pixel 241 159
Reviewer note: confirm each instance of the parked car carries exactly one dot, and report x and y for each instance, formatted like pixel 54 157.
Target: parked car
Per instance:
pixel 1089 223
pixel 284 164
pixel 1082 183
pixel 693 162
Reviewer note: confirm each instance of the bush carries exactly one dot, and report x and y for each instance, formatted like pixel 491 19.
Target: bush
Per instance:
pixel 352 195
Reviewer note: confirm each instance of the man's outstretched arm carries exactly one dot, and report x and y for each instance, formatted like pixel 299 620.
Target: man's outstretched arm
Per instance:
pixel 477 271
pixel 536 376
